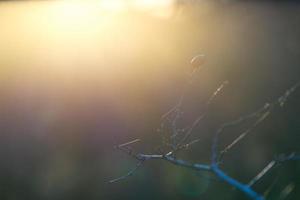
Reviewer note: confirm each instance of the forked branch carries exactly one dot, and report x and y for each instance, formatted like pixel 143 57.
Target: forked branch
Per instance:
pixel 184 142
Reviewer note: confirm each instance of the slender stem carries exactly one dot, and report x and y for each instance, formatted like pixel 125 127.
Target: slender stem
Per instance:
pixel 242 187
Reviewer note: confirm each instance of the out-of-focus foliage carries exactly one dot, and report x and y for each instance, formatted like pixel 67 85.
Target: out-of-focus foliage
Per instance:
pixel 72 89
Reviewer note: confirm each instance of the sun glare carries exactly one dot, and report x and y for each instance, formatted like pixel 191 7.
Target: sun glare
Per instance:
pixel 152 4
pixel 113 5
pixel 77 8
pixel 79 14
pixel 62 36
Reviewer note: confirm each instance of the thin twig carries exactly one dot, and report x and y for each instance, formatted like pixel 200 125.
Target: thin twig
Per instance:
pixel 262 173
pixel 130 173
pixel 129 143
pixel 197 121
pixel 262 113
pixel 259 115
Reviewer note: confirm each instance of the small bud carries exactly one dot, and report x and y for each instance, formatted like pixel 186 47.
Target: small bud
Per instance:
pixel 197 61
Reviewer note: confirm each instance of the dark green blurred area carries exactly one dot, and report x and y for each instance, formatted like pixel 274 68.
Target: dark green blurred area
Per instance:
pixel 255 46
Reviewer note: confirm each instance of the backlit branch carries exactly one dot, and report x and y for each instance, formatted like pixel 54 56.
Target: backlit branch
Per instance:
pixel 179 139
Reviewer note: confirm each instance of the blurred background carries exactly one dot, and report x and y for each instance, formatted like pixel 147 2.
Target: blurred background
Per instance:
pixel 78 77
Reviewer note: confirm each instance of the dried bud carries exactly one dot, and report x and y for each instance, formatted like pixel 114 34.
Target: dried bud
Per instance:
pixel 197 61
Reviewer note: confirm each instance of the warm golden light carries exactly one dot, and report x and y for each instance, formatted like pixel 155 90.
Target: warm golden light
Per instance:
pixel 160 8
pixel 78 8
pixel 113 5
pixel 152 4
pixel 71 36
pixel 73 10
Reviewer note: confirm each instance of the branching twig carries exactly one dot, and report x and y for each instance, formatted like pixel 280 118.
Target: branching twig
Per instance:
pixel 261 114
pixel 174 114
pixel 190 130
pixel 130 173
pixel 276 161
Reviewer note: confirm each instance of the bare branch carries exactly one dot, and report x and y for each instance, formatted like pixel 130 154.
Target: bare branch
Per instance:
pixel 286 191
pixel 130 173
pixel 284 158
pixel 129 143
pixel 284 97
pixel 183 163
pixel 197 121
pixel 242 187
pixel 178 140
pixel 215 94
pixel 278 160
pixel 262 173
pixel 261 114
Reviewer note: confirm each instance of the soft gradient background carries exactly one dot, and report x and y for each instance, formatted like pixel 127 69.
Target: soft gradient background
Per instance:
pixel 78 78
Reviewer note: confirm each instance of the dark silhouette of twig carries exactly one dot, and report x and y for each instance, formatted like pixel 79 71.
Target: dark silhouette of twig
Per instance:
pixel 173 115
